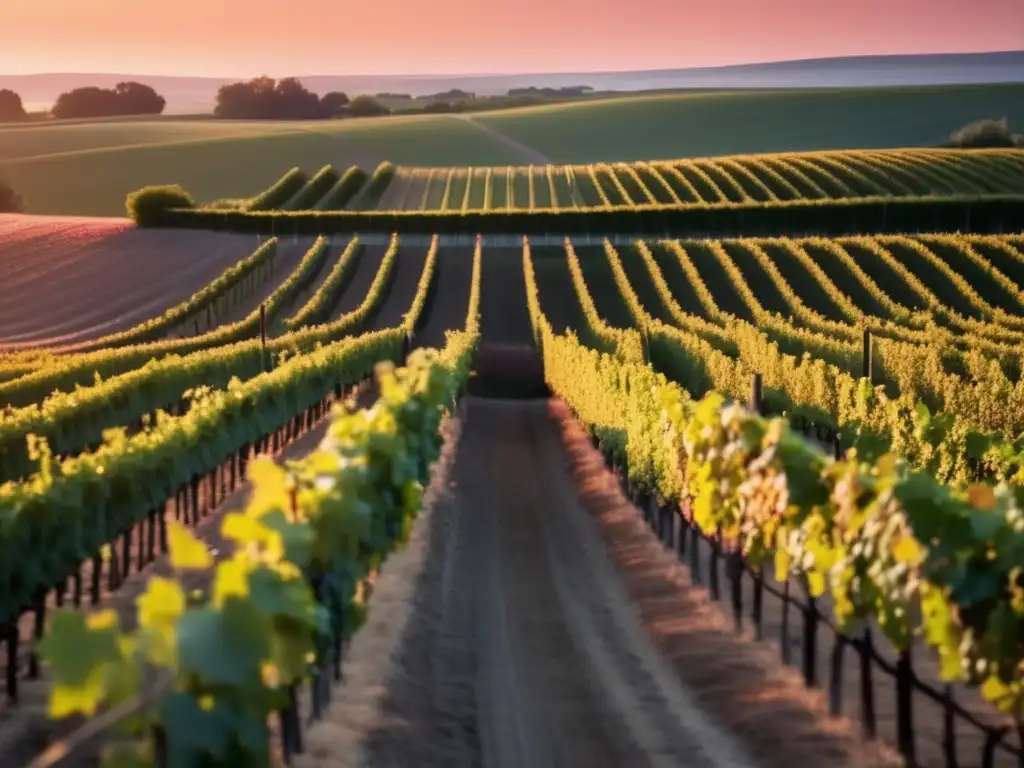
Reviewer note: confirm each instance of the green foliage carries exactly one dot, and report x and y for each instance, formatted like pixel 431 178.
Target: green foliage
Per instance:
pixel 278 193
pixel 991 213
pixel 232 655
pixel 10 201
pixel 150 206
pixel 47 529
pixel 874 534
pixel 11 106
pixel 321 183
pixel 984 134
pixel 346 188
pixel 375 187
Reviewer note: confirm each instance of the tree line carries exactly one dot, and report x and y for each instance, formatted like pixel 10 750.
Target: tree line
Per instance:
pixel 264 98
pixel 127 98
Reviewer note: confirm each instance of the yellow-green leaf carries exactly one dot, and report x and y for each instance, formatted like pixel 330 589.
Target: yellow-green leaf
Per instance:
pixel 187 552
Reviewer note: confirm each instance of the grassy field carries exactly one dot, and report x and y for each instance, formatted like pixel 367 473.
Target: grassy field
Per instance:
pixel 694 125
pixel 49 164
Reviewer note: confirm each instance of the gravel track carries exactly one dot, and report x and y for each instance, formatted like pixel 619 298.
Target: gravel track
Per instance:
pixel 501 635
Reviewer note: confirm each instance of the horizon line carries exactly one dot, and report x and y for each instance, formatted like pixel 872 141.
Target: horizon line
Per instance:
pixel 540 73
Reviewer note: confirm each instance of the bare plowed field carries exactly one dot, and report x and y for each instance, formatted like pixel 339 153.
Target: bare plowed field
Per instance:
pixel 69 280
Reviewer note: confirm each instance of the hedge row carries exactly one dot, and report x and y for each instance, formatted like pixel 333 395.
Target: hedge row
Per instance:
pixel 987 214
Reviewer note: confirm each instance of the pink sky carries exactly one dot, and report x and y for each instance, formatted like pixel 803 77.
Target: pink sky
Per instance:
pixel 283 37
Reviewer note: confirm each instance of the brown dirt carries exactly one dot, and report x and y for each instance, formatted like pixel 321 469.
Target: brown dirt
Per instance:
pixel 504 315
pixel 448 300
pixel 364 271
pixel 501 635
pixel 739 681
pixel 334 254
pixel 70 280
pixel 404 279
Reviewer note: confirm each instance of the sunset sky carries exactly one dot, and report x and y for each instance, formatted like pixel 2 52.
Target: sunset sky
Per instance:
pixel 235 38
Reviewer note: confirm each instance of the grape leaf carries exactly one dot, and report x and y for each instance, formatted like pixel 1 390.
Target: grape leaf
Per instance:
pixel 79 648
pixel 187 552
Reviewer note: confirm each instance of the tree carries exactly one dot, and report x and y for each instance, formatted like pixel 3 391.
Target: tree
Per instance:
pixel 365 106
pixel 128 98
pixel 10 201
pixel 139 99
pixel 11 107
pixel 333 104
pixel 984 133
pixel 263 98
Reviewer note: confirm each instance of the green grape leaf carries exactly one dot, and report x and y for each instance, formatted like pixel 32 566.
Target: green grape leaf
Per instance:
pixel 80 648
pixel 275 595
pixel 977 445
pixel 196 729
pixel 224 647
pixel 119 754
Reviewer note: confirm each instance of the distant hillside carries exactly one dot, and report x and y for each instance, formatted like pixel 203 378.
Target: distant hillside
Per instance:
pixel 197 94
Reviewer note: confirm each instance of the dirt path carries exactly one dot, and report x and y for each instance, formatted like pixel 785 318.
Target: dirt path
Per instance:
pixel 334 254
pixel 404 279
pixel 448 300
pixel 528 153
pixel 358 284
pixel 504 315
pixel 501 635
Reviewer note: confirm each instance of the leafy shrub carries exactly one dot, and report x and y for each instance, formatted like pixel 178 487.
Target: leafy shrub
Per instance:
pixel 366 106
pixel 10 201
pixel 11 107
pixel 148 205
pixel 983 133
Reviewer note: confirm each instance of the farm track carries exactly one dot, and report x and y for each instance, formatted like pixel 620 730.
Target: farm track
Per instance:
pixel 402 283
pixel 54 275
pixel 26 730
pixel 364 270
pixel 504 316
pixel 528 153
pixel 448 300
pixel 558 298
pixel 501 635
